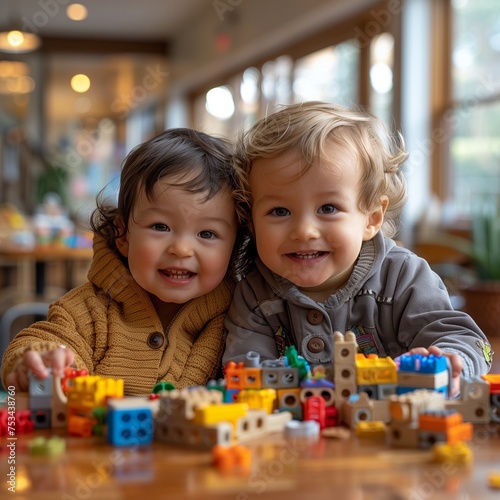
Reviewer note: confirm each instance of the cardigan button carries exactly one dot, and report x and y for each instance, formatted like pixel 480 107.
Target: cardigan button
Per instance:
pixel 315 345
pixel 314 317
pixel 156 340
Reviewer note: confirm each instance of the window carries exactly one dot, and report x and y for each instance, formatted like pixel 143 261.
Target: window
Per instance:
pixel 335 67
pixel 472 116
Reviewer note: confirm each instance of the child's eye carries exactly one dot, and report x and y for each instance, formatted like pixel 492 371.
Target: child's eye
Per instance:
pixel 207 235
pixel 280 212
pixel 161 227
pixel 327 209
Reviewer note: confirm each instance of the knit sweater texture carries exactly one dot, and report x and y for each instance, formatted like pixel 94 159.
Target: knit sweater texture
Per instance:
pixel 107 323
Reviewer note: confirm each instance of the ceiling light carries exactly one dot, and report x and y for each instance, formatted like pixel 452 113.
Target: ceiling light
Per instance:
pixel 80 83
pixel 17 42
pixel 77 12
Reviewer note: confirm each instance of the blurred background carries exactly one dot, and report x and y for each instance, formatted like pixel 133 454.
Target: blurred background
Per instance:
pixel 83 83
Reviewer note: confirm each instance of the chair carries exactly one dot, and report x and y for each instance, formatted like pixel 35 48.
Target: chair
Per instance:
pixel 27 309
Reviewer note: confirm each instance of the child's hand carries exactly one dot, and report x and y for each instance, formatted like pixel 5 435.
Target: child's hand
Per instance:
pixel 38 363
pixel 455 361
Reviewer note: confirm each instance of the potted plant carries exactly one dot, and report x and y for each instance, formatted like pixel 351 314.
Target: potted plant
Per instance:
pixel 482 296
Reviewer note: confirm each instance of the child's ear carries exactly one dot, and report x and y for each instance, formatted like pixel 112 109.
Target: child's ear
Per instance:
pixel 121 241
pixel 375 219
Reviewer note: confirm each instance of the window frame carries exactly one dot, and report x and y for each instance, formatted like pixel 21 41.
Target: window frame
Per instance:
pixel 345 29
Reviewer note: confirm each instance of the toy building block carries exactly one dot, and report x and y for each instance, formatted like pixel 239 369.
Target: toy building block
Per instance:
pixel 231 395
pixel 336 432
pixel 384 391
pixel 91 391
pixel 493 380
pixel 252 359
pixel 444 426
pixel 331 416
pixel 234 375
pixel 252 378
pixel 80 425
pixel 69 375
pixel 40 392
pixel 494 480
pixel 321 387
pixel 380 410
pixel 307 429
pixel 474 402
pixel 374 370
pixel 296 361
pixel 359 408
pixel 162 386
pixel 408 381
pixel 457 453
pixel 129 422
pixel 279 377
pixel 276 421
pixel 403 434
pixel 430 364
pixel 344 364
pixel 182 403
pixel 58 405
pixel 236 459
pixel 213 414
pixel 374 429
pixel 314 409
pixel 22 419
pixel 407 407
pixel 41 418
pixel 250 426
pixel 47 447
pixel 185 433
pixel 289 398
pixel 258 399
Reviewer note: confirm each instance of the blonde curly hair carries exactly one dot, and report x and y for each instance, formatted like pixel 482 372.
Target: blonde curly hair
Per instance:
pixel 308 128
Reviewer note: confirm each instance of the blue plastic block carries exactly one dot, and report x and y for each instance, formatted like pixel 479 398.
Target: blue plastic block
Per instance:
pixel 130 427
pixel 433 364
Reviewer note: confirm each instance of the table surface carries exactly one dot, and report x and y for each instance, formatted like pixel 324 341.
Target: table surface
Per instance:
pixel 355 468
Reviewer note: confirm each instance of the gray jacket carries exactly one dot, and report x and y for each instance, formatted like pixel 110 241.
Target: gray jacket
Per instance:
pixel 393 302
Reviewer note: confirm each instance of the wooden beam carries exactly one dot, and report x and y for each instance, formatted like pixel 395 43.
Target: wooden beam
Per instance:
pixel 94 46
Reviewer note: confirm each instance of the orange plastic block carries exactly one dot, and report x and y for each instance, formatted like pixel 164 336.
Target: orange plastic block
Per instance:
pixel 235 378
pixel 234 459
pixel 494 380
pixel 439 422
pixel 252 378
pixel 462 432
pixel 80 426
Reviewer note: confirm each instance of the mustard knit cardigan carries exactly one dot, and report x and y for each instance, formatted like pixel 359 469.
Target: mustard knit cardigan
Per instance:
pixel 107 323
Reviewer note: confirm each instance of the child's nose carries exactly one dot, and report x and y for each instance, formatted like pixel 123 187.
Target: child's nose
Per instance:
pixel 304 230
pixel 181 247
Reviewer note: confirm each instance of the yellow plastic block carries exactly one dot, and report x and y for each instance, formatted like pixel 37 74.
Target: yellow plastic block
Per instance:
pixel 372 429
pixel 456 453
pixel 374 370
pixel 92 391
pixel 258 399
pixel 494 480
pixel 213 414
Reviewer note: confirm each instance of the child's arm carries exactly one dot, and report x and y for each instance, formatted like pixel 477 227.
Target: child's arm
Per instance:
pixel 38 363
pixel 425 317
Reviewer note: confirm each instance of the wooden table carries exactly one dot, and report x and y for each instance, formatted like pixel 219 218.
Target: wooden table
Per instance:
pixel 30 266
pixel 354 469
